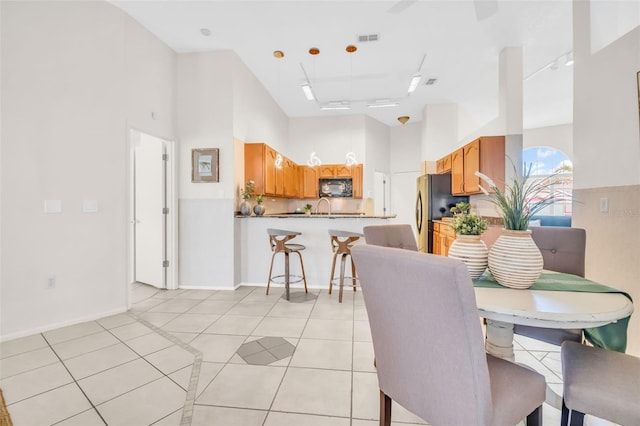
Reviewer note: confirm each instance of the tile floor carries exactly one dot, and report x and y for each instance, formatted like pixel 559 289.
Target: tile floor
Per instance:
pixel 193 357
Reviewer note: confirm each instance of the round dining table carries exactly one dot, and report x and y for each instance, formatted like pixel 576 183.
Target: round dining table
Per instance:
pixel 504 307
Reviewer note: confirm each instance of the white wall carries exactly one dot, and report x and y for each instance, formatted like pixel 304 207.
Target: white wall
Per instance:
pixel 71 82
pixel 330 137
pixel 378 151
pixel 606 129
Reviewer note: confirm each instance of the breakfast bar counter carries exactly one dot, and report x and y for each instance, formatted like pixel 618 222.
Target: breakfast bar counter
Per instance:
pixel 256 254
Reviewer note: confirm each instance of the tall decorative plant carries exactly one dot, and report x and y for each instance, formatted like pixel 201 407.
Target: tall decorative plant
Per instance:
pixel 514 259
pixel 522 198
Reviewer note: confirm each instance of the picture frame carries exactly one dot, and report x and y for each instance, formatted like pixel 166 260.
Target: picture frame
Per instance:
pixel 205 165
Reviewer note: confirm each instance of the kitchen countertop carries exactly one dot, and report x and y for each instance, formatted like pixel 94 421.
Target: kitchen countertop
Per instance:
pixel 320 215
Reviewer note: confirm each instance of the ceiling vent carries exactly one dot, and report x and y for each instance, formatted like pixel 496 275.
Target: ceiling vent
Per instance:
pixel 430 81
pixel 368 37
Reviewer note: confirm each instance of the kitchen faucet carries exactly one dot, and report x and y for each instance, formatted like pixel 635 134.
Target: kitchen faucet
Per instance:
pixel 328 204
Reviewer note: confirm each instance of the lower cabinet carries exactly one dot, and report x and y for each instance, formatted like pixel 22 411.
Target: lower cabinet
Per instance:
pixel 443 237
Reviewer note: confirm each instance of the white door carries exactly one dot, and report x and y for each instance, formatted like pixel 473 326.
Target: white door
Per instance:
pixel 149 216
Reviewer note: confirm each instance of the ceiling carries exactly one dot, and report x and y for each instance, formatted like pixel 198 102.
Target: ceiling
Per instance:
pixel 456 42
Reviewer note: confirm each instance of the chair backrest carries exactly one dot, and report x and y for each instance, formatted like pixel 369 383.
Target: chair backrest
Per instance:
pixel 563 249
pixel 427 338
pixel 397 236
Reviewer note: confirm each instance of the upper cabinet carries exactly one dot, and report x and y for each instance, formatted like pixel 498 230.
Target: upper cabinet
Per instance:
pixel 267 168
pixel 486 155
pixel 277 176
pixel 309 183
pixel 443 165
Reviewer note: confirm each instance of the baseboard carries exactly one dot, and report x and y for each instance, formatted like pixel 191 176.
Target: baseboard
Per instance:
pixel 61 324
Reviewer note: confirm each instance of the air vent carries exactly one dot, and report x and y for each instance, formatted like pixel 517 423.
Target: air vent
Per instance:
pixel 368 37
pixel 430 81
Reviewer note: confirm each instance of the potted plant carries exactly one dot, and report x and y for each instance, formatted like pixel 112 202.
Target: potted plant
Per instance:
pixel 258 209
pixel 247 193
pixel 514 260
pixel 468 247
pixel 307 209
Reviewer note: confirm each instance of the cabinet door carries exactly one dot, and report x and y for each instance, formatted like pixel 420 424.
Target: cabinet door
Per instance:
pixel 270 169
pixel 471 166
pixel 254 165
pixel 443 165
pixel 356 180
pixel 457 172
pixel 342 170
pixel 279 175
pixel 309 182
pixel 327 171
pixel 290 178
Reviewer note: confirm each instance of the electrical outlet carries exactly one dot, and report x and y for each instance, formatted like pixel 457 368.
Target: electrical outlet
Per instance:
pixel 604 205
pixel 51 282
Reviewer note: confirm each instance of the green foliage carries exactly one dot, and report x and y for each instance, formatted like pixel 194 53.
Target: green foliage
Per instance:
pixel 248 190
pixel 461 207
pixel 469 224
pixel 522 198
pixel 259 198
pixel 307 207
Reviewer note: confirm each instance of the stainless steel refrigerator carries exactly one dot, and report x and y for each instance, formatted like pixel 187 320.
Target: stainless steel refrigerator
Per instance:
pixel 433 201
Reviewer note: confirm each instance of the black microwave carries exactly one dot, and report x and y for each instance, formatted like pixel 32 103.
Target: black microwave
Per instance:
pixel 335 187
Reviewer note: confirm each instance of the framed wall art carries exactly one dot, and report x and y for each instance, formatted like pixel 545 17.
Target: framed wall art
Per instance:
pixel 205 165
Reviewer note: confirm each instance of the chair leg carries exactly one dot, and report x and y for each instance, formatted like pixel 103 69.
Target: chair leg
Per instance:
pixel 571 417
pixel 304 276
pixel 333 269
pixel 342 261
pixel 576 418
pixel 286 273
pixel 535 417
pixel 270 270
pixel 385 409
pixel 353 273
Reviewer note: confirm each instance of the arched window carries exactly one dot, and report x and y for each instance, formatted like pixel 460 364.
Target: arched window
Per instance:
pixel 545 162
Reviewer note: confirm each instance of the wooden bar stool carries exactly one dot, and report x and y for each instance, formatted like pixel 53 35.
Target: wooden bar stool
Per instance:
pixel 342 248
pixel 278 240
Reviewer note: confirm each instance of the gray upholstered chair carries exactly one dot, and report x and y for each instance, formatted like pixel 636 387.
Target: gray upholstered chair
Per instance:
pixel 599 382
pixel 429 348
pixel 398 236
pixel 563 250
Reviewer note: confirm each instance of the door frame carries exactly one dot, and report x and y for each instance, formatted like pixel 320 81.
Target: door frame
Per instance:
pixel 171 194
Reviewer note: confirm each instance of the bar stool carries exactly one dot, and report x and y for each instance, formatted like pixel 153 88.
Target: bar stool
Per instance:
pixel 277 240
pixel 342 248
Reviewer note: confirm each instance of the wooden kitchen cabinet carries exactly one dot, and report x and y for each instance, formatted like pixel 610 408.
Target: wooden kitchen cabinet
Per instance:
pixel 260 166
pixel 291 178
pixel 443 165
pixel 457 172
pixel 443 237
pixel 356 180
pixel 486 155
pixel 309 184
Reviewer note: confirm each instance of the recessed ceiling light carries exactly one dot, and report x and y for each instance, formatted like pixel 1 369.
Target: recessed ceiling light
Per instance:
pixel 314 51
pixel 278 53
pixel 205 32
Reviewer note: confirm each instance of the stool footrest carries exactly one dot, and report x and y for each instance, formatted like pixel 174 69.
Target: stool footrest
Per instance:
pixel 280 279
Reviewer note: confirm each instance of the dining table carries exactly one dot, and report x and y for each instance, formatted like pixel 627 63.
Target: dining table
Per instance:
pixel 555 300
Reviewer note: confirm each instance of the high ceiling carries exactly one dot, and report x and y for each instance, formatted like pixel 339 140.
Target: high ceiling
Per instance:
pixel 456 42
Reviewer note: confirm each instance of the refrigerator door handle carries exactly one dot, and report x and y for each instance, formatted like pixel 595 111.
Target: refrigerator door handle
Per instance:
pixel 419 212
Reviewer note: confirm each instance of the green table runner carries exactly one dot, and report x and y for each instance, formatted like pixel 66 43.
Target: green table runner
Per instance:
pixel 611 336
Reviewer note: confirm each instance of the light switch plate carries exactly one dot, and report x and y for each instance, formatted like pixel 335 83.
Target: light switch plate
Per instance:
pixel 53 206
pixel 604 205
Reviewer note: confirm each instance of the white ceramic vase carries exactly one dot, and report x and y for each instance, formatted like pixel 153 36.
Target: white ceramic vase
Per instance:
pixel 258 209
pixel 471 250
pixel 245 208
pixel 515 260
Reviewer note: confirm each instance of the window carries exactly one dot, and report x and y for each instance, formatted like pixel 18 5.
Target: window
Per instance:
pixel 546 161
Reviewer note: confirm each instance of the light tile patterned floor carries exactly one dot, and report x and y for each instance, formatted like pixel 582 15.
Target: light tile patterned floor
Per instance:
pixel 173 360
